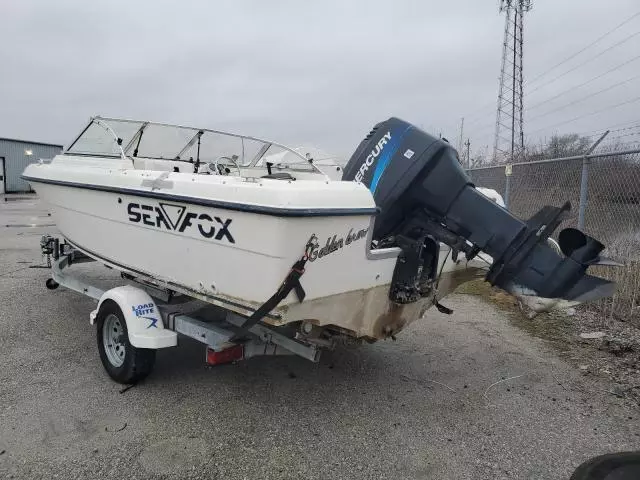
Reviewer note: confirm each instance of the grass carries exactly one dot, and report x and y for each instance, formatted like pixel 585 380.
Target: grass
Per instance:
pixel 553 327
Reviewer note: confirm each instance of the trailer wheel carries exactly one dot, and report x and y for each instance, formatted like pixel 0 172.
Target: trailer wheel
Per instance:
pixel 123 362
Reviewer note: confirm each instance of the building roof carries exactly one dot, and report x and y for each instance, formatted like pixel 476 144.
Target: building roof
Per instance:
pixel 28 142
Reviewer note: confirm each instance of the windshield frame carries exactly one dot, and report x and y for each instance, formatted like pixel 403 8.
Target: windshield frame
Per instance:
pixel 133 144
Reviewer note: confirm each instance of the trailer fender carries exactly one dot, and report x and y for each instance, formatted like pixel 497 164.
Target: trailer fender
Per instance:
pixel 143 319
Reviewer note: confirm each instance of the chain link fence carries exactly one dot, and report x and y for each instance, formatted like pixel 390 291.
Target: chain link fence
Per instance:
pixel 604 191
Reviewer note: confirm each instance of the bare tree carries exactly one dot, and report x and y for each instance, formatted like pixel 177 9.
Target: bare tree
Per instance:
pixel 566 145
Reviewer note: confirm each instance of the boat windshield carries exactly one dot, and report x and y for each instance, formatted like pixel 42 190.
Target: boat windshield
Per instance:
pixel 113 138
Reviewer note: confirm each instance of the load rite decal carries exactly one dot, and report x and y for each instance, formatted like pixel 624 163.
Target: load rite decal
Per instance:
pixel 334 243
pixel 141 311
pixel 177 218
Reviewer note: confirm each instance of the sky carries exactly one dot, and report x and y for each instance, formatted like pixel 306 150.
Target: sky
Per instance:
pixel 310 73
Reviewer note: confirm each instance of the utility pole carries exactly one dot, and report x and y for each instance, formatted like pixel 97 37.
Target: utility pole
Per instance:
pixel 468 145
pixel 461 134
pixel 508 142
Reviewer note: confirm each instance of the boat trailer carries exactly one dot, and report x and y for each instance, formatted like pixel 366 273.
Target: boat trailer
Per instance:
pixel 138 318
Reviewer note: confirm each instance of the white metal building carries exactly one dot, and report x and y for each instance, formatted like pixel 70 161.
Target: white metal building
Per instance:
pixel 15 155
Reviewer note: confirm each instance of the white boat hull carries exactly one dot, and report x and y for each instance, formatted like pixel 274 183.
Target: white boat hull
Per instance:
pixel 229 232
pixel 242 267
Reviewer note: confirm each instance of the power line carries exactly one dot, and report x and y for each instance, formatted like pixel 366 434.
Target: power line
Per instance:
pixel 570 89
pixel 610 107
pixel 578 100
pixel 617 67
pixel 624 40
pixel 585 48
pixel 492 103
pixel 475 112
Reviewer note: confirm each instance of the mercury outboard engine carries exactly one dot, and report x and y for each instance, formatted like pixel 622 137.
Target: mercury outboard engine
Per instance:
pixel 425 197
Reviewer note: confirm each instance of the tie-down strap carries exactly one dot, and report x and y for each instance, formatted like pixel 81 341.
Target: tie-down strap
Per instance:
pixel 291 282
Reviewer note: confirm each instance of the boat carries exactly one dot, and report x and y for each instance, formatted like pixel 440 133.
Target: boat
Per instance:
pixel 284 238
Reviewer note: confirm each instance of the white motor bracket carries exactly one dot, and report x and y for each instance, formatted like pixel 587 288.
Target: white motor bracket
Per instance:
pixel 141 314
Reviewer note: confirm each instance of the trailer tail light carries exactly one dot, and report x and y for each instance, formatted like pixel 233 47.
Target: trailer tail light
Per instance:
pixel 227 355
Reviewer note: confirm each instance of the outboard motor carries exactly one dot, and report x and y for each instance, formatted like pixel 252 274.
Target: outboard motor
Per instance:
pixel 425 197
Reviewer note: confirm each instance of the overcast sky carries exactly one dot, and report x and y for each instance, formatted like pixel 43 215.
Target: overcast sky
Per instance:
pixel 304 72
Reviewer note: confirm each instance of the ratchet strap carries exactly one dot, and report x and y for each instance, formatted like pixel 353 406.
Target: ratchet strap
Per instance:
pixel 291 282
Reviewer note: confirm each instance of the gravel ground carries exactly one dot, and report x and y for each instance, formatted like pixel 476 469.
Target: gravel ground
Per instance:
pixel 598 345
pixel 426 406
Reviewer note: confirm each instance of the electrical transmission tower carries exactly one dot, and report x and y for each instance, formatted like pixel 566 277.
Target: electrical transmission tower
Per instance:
pixel 508 143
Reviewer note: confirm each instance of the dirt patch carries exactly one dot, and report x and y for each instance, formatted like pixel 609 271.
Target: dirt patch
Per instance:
pixel 611 349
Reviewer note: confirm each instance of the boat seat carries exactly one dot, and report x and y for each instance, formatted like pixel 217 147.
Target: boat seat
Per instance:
pixel 280 176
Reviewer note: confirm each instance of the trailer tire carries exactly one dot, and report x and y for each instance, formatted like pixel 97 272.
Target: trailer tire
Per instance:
pixel 123 362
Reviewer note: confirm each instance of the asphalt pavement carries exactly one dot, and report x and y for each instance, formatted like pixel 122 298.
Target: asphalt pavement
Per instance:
pixel 465 396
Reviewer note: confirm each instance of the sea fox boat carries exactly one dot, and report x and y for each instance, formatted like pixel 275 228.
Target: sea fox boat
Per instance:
pixel 282 238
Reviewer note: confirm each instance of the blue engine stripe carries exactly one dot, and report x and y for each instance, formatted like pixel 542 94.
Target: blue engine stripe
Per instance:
pixel 385 158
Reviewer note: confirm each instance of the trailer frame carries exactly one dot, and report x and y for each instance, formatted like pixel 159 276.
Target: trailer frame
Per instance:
pixel 219 329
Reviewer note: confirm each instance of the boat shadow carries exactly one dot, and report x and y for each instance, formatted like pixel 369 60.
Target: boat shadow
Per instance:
pixel 364 367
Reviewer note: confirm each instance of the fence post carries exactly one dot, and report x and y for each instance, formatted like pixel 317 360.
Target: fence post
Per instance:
pixel 584 181
pixel 584 185
pixel 508 170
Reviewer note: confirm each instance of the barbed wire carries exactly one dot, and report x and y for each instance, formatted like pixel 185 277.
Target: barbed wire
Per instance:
pixel 592 135
pixel 612 128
